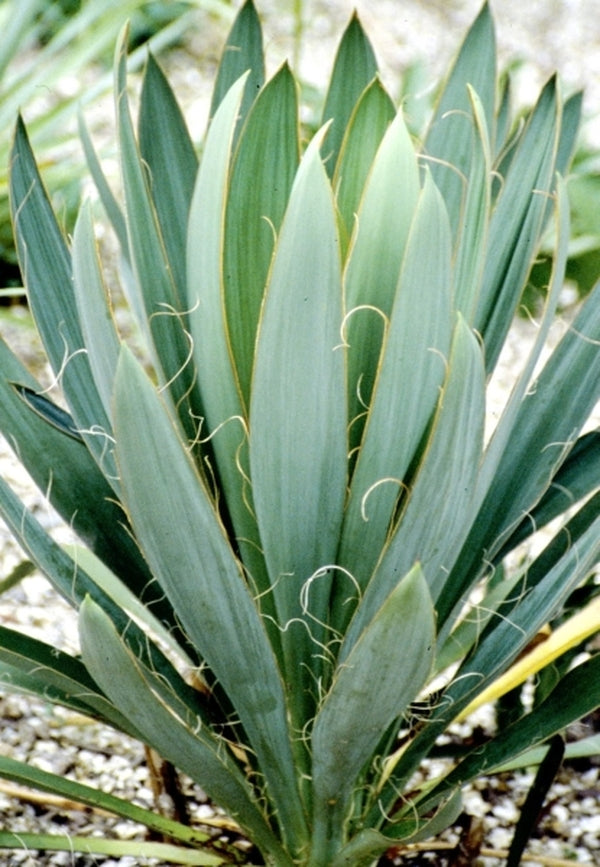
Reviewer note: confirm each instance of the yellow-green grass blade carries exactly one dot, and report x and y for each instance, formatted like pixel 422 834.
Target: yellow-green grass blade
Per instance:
pixel 576 695
pixel 372 686
pixel 188 551
pixel 268 154
pixel 371 276
pixel 354 68
pixel 298 423
pixel 170 159
pixel 43 781
pixel 164 321
pixel 449 140
pixel 243 53
pixel 370 118
pixel 409 377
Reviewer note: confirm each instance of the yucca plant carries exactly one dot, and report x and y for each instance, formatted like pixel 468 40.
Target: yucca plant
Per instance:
pixel 292 579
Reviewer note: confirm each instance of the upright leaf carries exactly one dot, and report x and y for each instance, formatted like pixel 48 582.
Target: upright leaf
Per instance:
pixel 439 509
pixel 97 324
pixel 449 139
pixel 224 413
pixel 169 155
pixel 46 266
pixel 243 53
pixel 164 322
pixel 298 421
pixel 268 153
pixel 406 391
pixel 516 222
pixel 372 683
pixel 187 549
pixel 367 125
pixel 354 68
pixel 373 266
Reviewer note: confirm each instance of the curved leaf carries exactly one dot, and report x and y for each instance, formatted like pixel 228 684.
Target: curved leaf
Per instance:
pixel 372 684
pixel 185 544
pixel 195 750
pixel 298 421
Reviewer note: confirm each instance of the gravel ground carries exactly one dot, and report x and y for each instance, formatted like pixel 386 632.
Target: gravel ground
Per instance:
pixel 551 34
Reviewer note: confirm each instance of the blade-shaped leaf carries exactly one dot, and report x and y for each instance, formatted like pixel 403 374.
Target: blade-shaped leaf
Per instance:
pixel 439 511
pixel 370 119
pixel 109 202
pixel 525 486
pixel 187 549
pixel 517 221
pixel 217 380
pixel 46 267
pixel 374 685
pixel 168 153
pixel 164 323
pixel 267 152
pixel 195 750
pixel 406 389
pixel 97 324
pixel 243 53
pixel 472 235
pixel 449 139
pixel 354 68
pixel 298 417
pixel 373 266
pixel 576 478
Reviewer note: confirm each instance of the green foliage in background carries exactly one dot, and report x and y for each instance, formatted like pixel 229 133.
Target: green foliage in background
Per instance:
pixel 293 573
pixel 46 44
